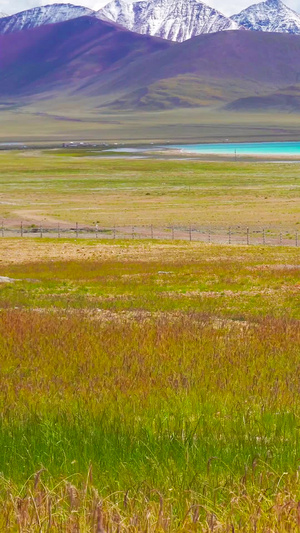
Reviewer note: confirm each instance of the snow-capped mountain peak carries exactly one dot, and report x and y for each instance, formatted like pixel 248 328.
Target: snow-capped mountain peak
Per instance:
pixel 175 20
pixel 270 16
pixel 38 16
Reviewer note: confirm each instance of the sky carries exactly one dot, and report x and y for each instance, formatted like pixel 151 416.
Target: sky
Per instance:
pixel 228 7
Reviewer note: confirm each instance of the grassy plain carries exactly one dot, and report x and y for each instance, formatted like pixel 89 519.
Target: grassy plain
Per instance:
pixel 80 120
pixel 81 186
pixel 149 387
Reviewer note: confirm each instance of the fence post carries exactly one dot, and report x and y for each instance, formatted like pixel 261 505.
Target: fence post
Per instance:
pixel 41 231
pixel 114 231
pixel 76 230
pixel 21 229
pixel 133 235
pixel 280 239
pixel 152 235
pixel 229 236
pixel 190 233
pixel 173 233
pixel 58 230
pixel 248 237
pixel 264 237
pixel 96 231
pixel 209 236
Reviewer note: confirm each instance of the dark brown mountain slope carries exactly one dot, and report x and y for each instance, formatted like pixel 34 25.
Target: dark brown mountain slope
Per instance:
pixel 68 54
pixel 224 66
pixel 94 59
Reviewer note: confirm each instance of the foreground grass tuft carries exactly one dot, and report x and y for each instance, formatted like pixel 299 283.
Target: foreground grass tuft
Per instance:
pixel 187 420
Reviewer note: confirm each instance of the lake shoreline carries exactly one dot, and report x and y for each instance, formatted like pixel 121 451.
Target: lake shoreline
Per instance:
pixel 238 150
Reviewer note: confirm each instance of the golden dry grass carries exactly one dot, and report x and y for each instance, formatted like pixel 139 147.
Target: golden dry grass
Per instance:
pixel 60 188
pixel 148 386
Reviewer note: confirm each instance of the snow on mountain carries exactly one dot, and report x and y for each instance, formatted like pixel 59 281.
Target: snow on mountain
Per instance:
pixel 40 16
pixel 270 16
pixel 175 20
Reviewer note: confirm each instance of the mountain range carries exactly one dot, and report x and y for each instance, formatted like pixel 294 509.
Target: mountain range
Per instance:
pixel 270 16
pixel 174 20
pixel 41 16
pixel 68 52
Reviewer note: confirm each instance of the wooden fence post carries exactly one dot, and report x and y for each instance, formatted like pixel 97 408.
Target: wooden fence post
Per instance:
pixel 190 233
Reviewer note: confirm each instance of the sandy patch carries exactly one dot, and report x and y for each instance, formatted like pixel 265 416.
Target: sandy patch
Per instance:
pixel 29 250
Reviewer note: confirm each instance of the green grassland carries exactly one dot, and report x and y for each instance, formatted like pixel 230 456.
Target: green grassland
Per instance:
pixel 238 283
pixel 148 386
pixel 59 120
pixel 69 186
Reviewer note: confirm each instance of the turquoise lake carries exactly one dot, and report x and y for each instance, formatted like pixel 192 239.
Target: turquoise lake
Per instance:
pixel 267 149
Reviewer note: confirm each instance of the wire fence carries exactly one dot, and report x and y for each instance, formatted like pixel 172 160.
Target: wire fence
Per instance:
pixel 218 235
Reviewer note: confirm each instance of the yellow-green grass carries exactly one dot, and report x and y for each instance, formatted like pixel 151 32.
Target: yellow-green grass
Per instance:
pixel 60 120
pixel 40 188
pixel 153 386
pixel 240 283
pixel 182 91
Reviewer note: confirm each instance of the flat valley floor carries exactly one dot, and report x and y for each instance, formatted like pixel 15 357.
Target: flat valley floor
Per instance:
pixel 148 385
pixel 65 186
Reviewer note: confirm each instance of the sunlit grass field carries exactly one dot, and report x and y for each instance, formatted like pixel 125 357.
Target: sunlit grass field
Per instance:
pixel 148 386
pixel 65 186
